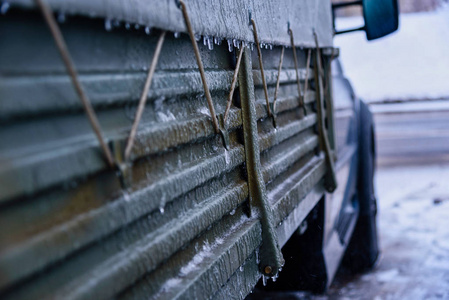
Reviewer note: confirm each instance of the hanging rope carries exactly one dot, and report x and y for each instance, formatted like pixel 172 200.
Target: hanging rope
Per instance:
pixel 278 80
pixel 259 52
pixel 144 96
pixel 64 52
pixel 301 99
pixel 200 65
pixel 234 81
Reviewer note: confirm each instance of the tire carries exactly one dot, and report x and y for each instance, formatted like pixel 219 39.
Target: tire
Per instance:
pixel 363 249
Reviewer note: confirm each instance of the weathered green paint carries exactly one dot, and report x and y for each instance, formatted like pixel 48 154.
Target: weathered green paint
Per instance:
pixel 270 252
pixel 330 179
pixel 73 230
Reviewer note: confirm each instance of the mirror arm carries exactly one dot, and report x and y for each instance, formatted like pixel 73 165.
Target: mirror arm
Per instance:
pixel 350 30
pixel 345 4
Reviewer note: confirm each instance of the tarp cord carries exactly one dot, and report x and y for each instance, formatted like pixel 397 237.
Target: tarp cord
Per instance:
pixel 200 65
pixel 295 59
pixel 64 52
pixel 144 96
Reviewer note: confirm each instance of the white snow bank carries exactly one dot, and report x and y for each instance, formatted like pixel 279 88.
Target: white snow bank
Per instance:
pixel 412 63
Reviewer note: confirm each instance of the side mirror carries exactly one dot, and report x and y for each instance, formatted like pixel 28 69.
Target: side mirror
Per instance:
pixel 381 17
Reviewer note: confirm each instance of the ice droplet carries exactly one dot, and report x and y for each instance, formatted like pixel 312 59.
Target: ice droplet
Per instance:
pixel 198 37
pixel 126 196
pixel 161 209
pixel 107 25
pixel 147 30
pixel 136 26
pixel 4 8
pixel 230 47
pixel 116 23
pixel 61 17
pixel 127 26
pixel 232 212
pixel 241 268
pixel 176 35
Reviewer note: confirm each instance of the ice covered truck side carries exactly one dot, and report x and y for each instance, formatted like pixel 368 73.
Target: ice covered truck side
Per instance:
pixel 179 149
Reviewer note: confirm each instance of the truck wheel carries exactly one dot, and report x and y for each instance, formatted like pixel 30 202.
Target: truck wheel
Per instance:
pixel 363 250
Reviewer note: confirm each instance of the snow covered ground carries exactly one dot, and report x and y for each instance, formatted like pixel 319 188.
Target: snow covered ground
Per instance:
pixel 413 226
pixel 412 63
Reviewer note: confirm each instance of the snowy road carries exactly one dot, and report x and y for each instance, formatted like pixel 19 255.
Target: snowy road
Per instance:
pixel 412 133
pixel 414 235
pixel 413 224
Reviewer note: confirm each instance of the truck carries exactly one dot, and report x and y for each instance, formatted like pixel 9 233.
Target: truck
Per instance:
pixel 181 149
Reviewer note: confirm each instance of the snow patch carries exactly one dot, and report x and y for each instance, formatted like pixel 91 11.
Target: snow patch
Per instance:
pixel 412 63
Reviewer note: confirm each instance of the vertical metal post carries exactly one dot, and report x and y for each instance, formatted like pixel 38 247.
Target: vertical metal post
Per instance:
pixel 330 180
pixel 329 102
pixel 270 254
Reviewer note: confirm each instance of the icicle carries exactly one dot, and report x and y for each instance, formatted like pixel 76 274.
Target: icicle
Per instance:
pixel 136 26
pixel 107 25
pixel 230 47
pixel 198 37
pixel 127 26
pixel 264 280
pixel 147 30
pixel 61 17
pixel 210 44
pixel 176 35
pixel 4 8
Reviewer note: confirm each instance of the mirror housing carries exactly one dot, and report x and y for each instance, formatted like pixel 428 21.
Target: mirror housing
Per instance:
pixel 381 17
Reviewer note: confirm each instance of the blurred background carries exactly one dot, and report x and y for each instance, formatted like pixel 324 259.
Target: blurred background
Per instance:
pixel 404 77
